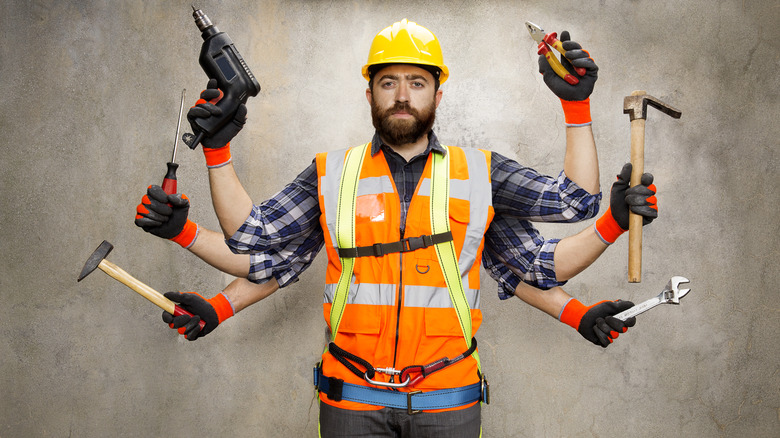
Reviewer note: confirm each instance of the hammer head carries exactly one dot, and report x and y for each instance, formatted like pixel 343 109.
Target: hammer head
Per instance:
pixel 635 106
pixel 94 260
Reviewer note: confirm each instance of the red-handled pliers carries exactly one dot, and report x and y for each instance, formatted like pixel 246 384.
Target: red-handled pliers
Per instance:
pixel 551 39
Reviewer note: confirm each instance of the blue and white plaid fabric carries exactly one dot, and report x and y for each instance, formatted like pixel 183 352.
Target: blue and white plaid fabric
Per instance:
pixel 283 234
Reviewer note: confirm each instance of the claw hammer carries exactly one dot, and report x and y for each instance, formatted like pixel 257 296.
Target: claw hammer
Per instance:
pixel 635 106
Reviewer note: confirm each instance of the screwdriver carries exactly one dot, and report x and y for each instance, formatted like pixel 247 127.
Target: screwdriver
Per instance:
pixel 169 182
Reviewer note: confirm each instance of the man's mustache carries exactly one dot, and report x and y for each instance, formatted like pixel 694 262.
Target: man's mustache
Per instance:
pixel 403 106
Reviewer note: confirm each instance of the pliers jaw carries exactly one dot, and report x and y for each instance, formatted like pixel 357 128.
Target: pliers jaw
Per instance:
pixel 547 40
pixel 537 33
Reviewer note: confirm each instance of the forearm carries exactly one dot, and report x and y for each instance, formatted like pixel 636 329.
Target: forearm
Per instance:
pixel 211 248
pixel 581 163
pixel 575 253
pixel 231 202
pixel 549 301
pixel 242 293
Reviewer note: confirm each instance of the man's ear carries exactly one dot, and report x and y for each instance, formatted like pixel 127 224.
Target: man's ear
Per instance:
pixel 438 97
pixel 369 96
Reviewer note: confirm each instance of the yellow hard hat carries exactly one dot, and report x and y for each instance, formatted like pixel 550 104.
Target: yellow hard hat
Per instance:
pixel 406 42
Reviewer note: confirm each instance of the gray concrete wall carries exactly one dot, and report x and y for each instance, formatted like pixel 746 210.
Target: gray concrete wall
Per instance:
pixel 90 93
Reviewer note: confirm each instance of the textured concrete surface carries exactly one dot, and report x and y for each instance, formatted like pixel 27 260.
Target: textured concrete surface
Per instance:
pixel 90 93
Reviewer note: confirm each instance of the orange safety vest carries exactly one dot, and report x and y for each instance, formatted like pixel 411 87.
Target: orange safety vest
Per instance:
pixel 398 311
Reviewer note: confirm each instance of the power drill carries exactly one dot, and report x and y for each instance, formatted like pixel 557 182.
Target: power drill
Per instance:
pixel 221 61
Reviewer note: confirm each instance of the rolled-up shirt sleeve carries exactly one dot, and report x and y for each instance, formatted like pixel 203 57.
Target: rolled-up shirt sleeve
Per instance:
pixel 525 193
pixel 282 235
pixel 515 251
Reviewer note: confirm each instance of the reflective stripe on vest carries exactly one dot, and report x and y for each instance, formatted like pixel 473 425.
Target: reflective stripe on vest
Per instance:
pixel 418 296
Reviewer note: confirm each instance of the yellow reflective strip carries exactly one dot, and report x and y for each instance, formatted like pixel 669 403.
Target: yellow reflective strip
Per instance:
pixel 345 231
pixel 440 223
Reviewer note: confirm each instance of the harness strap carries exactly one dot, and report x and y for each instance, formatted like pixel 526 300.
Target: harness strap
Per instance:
pixel 448 260
pixel 404 245
pixel 427 370
pixel 345 231
pixel 344 357
pixel 413 402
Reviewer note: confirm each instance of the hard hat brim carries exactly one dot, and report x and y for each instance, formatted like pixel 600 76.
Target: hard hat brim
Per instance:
pixel 443 75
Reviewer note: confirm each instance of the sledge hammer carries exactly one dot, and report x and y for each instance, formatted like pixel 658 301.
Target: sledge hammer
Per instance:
pixel 635 106
pixel 98 260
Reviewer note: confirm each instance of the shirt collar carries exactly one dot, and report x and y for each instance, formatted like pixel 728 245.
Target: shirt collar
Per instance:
pixel 433 144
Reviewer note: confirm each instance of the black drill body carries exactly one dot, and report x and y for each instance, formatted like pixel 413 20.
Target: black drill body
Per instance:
pixel 221 61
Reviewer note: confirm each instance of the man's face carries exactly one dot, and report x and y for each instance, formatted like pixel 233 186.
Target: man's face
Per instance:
pixel 403 103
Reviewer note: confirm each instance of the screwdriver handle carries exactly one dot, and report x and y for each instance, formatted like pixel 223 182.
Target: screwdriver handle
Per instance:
pixel 169 182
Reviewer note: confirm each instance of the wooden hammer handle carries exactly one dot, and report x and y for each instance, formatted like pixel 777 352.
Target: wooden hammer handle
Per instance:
pixel 635 220
pixel 128 280
pixel 147 292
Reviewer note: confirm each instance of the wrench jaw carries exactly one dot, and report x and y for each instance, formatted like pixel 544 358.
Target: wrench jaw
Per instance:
pixel 672 293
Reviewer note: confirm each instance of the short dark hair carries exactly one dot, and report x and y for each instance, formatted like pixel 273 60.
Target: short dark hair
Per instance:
pixel 433 70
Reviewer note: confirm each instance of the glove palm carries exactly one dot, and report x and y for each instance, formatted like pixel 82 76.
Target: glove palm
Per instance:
pixel 575 57
pixel 206 107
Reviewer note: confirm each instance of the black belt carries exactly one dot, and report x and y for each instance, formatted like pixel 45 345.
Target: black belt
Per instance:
pixel 403 245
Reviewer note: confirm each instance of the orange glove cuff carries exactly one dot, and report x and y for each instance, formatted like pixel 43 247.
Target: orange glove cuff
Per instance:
pixel 576 113
pixel 222 306
pixel 572 313
pixel 217 157
pixel 188 234
pixel 607 228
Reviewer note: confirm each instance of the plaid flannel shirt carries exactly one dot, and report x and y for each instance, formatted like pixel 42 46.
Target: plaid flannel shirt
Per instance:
pixel 283 234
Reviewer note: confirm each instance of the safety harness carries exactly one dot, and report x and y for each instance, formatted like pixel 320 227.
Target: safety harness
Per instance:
pixel 442 241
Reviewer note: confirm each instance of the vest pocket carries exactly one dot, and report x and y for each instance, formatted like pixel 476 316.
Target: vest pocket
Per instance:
pixel 442 322
pixel 360 319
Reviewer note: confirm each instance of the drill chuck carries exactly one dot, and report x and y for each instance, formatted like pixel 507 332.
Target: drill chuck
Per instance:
pixel 201 19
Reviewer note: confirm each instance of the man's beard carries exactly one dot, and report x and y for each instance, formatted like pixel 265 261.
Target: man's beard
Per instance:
pixel 397 132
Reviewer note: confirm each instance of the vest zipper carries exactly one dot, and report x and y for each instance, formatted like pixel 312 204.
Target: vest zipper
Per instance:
pixel 398 312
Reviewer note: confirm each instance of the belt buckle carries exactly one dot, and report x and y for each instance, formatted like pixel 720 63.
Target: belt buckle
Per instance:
pixel 409 402
pixel 485 389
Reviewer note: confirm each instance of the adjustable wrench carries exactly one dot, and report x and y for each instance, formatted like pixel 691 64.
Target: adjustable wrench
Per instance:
pixel 670 295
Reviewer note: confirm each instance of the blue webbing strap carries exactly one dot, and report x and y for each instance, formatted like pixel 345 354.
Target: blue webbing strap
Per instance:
pixel 411 401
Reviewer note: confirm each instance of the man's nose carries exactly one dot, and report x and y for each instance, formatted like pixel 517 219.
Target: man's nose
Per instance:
pixel 402 94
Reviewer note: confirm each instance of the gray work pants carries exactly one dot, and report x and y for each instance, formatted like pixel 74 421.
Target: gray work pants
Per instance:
pixel 397 423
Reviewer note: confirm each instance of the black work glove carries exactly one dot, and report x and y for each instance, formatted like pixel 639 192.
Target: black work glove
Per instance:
pixel 189 325
pixel 575 57
pixel 206 107
pixel 640 199
pixel 600 327
pixel 162 214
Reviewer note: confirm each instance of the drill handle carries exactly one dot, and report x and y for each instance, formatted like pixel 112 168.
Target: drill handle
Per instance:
pixel 209 126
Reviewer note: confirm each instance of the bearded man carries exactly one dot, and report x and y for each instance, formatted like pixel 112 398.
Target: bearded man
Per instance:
pixel 404 221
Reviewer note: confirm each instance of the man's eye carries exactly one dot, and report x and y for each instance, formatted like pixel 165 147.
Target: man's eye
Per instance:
pixel 387 84
pixel 418 84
